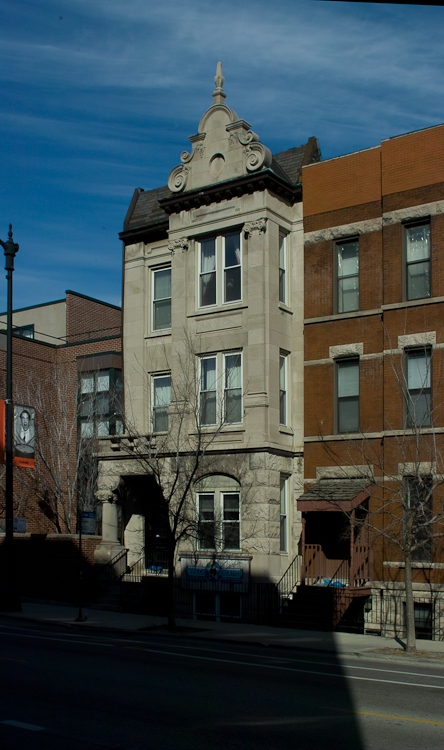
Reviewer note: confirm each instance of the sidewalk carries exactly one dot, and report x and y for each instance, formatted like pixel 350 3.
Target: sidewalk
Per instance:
pixel 263 635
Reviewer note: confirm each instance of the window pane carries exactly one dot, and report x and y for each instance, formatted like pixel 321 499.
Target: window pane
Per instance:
pixel 162 315
pixel 233 406
pixel 208 374
pixel 348 276
pixel 102 403
pixel 233 390
pixel 283 497
pixel 348 294
pixel 418 370
pixel 418 243
pixel 418 280
pixel 348 259
pixel 281 285
pixel 86 407
pixel 162 391
pixel 233 371
pixel 208 289
pixel 207 256
pixel 233 284
pixel 283 534
pixel 348 414
pixel 103 381
pixel 103 428
pixel 87 384
pixel 348 378
pixel 419 413
pixel 282 368
pixel 208 407
pixel 231 507
pixel 87 429
pixel 162 284
pixel 232 250
pixel 206 522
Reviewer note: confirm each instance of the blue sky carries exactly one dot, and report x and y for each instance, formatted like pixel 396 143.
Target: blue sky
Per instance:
pixel 100 96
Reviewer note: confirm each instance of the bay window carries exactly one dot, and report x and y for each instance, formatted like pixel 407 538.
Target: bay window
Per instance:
pixel 220 270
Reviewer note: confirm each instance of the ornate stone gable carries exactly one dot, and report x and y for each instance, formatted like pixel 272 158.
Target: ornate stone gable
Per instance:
pixel 224 148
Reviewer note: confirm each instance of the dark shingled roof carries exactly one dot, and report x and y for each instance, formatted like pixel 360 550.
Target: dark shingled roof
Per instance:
pixel 287 164
pixel 290 162
pixel 335 490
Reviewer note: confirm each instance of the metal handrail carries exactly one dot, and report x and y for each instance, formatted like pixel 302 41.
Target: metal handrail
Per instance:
pixel 107 575
pixel 343 567
pixel 289 580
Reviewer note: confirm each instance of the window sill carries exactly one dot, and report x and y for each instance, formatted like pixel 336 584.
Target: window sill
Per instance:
pixel 286 430
pixel 218 309
pixel 285 308
pixel 156 334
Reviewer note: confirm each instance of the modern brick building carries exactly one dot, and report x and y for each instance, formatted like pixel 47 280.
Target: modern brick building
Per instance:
pixel 66 362
pixel 373 343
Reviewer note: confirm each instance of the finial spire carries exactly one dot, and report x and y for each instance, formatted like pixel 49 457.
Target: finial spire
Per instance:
pixel 219 94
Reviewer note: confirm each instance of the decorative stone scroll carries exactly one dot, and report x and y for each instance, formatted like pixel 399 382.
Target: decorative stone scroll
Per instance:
pixel 178 178
pixel 258 156
pixel 178 244
pixel 259 225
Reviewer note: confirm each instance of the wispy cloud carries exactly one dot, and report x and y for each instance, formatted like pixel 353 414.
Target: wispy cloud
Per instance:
pixel 99 97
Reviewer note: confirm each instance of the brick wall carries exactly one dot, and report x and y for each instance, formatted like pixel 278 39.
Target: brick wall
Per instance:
pixel 87 318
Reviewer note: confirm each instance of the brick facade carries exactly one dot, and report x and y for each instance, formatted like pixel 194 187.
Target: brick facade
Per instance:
pixel 373 197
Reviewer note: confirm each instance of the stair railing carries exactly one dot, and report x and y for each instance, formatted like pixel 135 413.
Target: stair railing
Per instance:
pixel 341 577
pixel 112 571
pixel 289 580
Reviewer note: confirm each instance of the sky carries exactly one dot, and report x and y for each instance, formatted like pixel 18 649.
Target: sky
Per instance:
pixel 99 97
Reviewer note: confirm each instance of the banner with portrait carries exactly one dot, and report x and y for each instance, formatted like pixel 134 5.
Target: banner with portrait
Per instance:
pixel 24 436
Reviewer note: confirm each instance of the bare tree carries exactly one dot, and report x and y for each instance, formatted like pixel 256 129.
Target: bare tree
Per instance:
pixel 65 472
pixel 402 472
pixel 183 446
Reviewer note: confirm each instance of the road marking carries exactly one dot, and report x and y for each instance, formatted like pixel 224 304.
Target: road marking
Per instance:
pixel 22 725
pixel 291 669
pixel 339 664
pixel 63 640
pixel 385 716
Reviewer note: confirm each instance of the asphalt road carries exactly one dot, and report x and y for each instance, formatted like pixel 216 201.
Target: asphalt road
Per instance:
pixel 65 689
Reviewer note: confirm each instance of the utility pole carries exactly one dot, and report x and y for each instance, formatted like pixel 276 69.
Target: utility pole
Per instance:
pixel 10 600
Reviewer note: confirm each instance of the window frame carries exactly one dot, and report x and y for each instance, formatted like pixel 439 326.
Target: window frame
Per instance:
pixel 340 363
pixel 423 553
pixel 282 261
pixel 113 416
pixel 221 269
pixel 219 521
pixel 406 263
pixel 220 390
pixel 410 416
pixel 159 407
pixel 338 296
pixel 283 515
pixel 283 391
pixel 155 300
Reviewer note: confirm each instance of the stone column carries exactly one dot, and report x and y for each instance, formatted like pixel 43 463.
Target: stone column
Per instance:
pixel 110 545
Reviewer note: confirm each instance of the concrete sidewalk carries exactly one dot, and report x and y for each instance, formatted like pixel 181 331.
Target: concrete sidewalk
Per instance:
pixel 264 635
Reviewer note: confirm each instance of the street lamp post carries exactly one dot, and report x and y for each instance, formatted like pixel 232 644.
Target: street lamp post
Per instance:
pixel 11 599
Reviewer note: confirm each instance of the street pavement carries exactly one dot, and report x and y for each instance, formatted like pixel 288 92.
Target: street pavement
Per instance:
pixel 263 635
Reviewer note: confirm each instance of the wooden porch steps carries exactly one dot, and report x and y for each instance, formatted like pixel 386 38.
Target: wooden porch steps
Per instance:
pixel 325 608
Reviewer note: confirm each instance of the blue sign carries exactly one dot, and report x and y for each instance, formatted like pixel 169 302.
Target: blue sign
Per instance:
pixel 88 522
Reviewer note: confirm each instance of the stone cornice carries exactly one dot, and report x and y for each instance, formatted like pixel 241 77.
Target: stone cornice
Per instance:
pixel 264 180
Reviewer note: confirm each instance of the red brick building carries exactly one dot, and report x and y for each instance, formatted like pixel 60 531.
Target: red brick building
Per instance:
pixel 66 364
pixel 374 393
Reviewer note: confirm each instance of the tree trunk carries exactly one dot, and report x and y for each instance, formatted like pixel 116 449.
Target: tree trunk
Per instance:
pixel 171 549
pixel 409 606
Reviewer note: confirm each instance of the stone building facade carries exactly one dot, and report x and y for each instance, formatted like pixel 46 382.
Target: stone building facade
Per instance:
pixel 213 286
